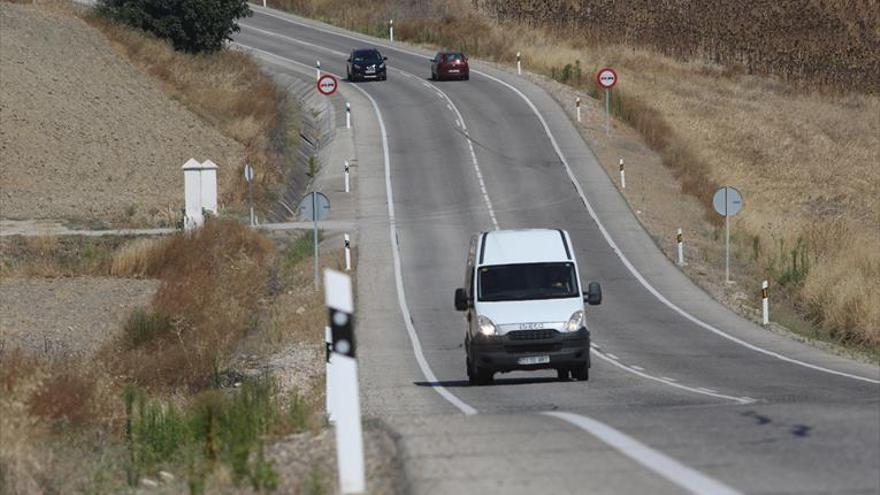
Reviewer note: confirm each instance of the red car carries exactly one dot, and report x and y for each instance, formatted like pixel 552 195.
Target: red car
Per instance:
pixel 448 65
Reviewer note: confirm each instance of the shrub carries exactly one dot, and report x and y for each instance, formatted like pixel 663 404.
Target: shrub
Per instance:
pixel 190 25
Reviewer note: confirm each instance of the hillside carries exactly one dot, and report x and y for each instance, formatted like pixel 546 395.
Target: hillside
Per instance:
pixel 85 136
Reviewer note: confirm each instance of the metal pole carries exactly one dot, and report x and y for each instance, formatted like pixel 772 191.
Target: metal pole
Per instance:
pixel 577 105
pixel 726 247
pixel 607 112
pixel 315 232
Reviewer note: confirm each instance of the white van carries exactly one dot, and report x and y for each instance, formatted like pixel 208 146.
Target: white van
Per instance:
pixel 525 308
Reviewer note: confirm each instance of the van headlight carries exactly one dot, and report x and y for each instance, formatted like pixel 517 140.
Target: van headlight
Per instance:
pixel 487 328
pixel 576 322
pixel 382 66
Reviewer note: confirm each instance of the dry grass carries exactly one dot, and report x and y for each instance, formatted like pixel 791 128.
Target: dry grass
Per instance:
pixel 213 281
pixel 228 90
pixel 805 160
pixel 54 257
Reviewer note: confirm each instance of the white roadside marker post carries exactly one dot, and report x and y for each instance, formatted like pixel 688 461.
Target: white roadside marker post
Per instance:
pixel 347 253
pixel 518 64
pixel 622 175
pixel 330 389
pixel 347 115
pixel 345 401
pixel 680 241
pixel 577 104
pixel 391 30
pixel 765 303
pixel 347 177
pixel 318 69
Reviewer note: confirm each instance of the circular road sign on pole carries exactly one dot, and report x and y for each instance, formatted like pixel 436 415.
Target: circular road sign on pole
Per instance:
pixel 727 202
pixel 607 78
pixel 327 85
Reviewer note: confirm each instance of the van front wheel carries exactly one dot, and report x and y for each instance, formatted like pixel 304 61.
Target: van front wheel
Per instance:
pixel 581 373
pixel 478 375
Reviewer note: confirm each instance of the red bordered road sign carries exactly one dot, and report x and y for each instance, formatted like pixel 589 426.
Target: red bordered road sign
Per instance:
pixel 327 85
pixel 606 78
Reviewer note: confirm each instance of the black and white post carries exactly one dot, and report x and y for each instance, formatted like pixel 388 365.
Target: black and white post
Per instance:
pixel 249 178
pixel 765 303
pixel 347 115
pixel 680 241
pixel 391 30
pixel 328 374
pixel 347 253
pixel 345 400
pixel 518 64
pixel 318 69
pixel 577 104
pixel 622 175
pixel 347 172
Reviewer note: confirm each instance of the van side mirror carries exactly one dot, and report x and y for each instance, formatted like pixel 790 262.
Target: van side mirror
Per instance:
pixel 461 300
pixel 593 296
pixel 384 58
pixel 348 59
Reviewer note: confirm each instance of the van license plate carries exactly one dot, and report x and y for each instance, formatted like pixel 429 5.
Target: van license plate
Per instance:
pixel 534 360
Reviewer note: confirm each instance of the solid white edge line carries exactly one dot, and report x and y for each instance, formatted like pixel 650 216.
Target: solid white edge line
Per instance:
pixel 428 373
pixel 668 468
pixel 592 212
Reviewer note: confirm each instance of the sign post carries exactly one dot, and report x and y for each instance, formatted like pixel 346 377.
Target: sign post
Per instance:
pixel 327 85
pixel 314 207
pixel 727 202
pixel 607 78
pixel 249 177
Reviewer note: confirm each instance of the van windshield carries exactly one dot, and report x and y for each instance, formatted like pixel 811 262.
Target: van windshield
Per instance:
pixel 527 281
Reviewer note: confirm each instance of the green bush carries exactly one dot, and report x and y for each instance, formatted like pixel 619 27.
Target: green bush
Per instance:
pixel 190 25
pixel 143 326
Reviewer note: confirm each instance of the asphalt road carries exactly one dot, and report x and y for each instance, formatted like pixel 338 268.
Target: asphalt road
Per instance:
pixel 684 396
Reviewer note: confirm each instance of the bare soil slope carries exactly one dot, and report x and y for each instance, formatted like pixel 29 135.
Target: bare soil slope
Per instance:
pixel 86 137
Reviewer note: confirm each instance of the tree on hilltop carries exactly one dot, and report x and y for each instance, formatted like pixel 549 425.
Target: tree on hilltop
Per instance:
pixel 190 25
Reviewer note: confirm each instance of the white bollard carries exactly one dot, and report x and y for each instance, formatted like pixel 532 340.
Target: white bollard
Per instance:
pixel 622 175
pixel 347 179
pixel 680 242
pixel 347 253
pixel 330 389
pixel 391 30
pixel 765 303
pixel 518 64
pixel 346 400
pixel 317 69
pixel 577 104
pixel 347 115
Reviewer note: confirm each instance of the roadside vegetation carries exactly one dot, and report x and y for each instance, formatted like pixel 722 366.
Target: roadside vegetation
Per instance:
pixel 186 395
pixel 171 392
pixel 796 130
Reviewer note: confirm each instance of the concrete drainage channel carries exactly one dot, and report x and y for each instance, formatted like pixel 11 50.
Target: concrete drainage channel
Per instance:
pixel 318 117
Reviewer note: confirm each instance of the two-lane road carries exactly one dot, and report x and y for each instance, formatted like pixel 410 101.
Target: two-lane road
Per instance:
pixel 721 402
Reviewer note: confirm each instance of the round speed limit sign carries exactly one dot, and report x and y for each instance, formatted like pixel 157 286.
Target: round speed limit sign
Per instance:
pixel 327 85
pixel 606 78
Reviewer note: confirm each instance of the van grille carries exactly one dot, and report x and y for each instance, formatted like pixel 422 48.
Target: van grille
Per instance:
pixel 533 348
pixel 542 333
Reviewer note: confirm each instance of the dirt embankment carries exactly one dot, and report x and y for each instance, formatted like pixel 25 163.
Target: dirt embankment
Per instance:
pixel 84 136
